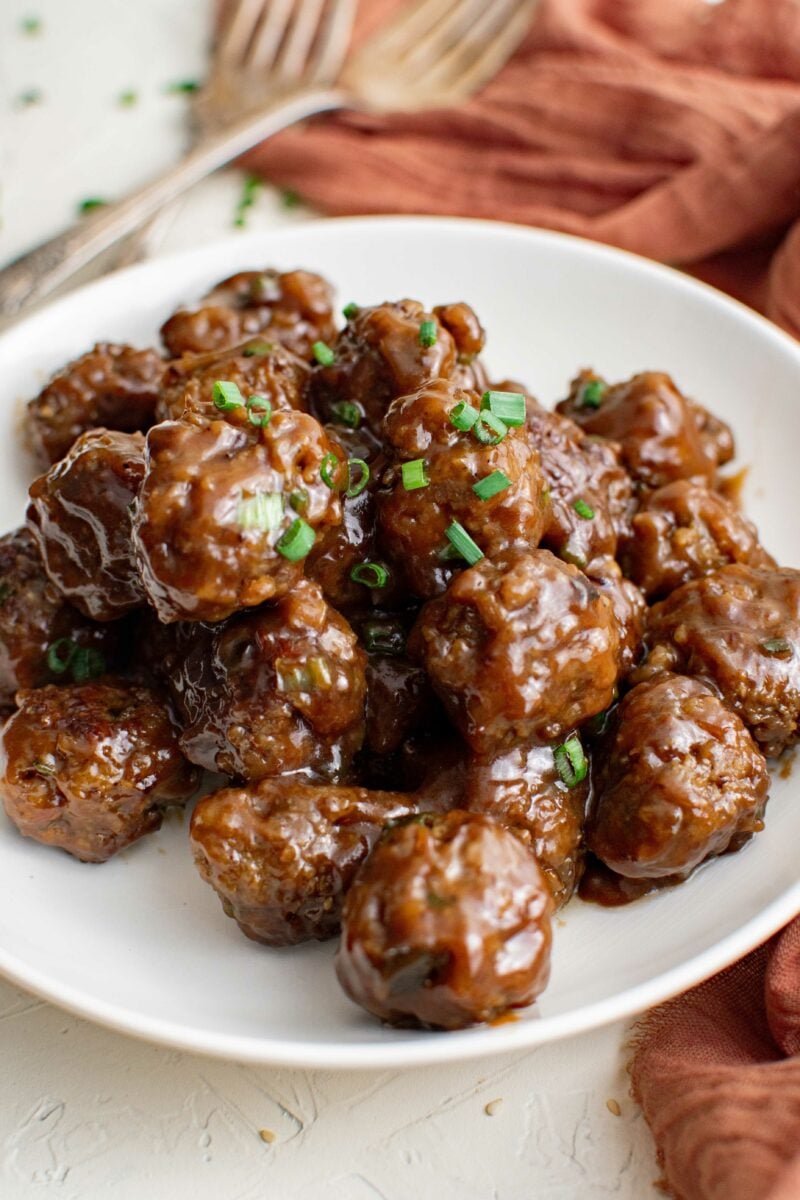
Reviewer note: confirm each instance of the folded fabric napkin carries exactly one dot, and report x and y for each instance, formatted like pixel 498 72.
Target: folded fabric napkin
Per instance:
pixel 671 128
pixel 668 127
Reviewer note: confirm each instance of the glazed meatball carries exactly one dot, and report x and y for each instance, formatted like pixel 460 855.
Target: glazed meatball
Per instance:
pixel 294 308
pixel 519 651
pixel 446 925
pixel 115 387
pixel 716 436
pixel 630 609
pixel 656 426
pixel 589 492
pixel 80 515
pixel 684 531
pixel 221 516
pixel 738 627
pixel 262 368
pixel 380 356
pixel 91 767
pixel 37 623
pixel 523 790
pixel 281 689
pixel 414 521
pixel 679 779
pixel 281 854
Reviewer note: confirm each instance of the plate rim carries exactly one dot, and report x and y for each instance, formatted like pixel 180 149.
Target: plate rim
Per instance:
pixel 421 1048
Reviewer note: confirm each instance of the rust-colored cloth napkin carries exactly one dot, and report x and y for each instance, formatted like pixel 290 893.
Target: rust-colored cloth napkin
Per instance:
pixel 668 127
pixel 671 128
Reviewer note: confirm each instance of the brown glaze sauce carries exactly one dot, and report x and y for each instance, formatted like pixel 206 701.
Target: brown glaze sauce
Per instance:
pixel 600 885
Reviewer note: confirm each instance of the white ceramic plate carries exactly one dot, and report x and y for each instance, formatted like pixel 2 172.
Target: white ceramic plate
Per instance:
pixel 141 944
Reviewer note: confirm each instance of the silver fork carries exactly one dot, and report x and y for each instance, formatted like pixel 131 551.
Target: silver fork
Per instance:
pixel 435 53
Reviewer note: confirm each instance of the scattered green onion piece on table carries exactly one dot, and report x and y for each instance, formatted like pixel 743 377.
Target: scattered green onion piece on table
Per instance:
pixel 463 416
pixel 779 647
pixel 384 637
pixel 128 99
pixel 346 412
pixel 427 333
pixel 323 354
pixel 591 394
pixel 262 511
pixel 414 475
pixel 60 655
pixel 30 97
pixel 355 489
pixel 226 395
pixel 250 189
pixel 571 762
pixel 371 574
pixel 90 204
pixel 349 311
pixel 491 485
pixel 463 544
pixel 182 87
pixel 508 406
pixel 87 664
pixel 259 410
pixel 30 26
pixel 258 348
pixel 290 198
pixel 583 510
pixel 297 541
pixel 489 429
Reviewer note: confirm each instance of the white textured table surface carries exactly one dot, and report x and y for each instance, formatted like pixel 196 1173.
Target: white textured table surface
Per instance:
pixel 85 1113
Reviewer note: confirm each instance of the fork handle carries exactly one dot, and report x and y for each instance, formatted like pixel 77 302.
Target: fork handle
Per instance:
pixel 36 274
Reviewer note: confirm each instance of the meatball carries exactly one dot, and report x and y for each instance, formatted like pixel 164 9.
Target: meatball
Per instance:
pixel 414 520
pixel 80 515
pixel 282 854
pixel 39 628
pixel 91 767
pixel 656 426
pixel 224 520
pixel 679 779
pixel 684 531
pixel 738 627
pixel 294 308
pixel 629 608
pixel 115 387
pixel 447 924
pixel 523 790
pixel 590 493
pixel 519 651
pixel 281 689
pixel 262 369
pixel 381 355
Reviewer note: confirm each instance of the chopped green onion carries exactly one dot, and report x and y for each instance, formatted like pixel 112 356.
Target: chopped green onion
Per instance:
pixel 182 86
pixel 262 511
pixel 583 510
pixel 128 99
pixel 303 676
pixel 427 333
pixel 87 664
pixel 569 556
pixel 298 499
pixel 508 406
pixel 436 901
pixel 371 574
pixel 463 416
pixel 491 485
pixel 329 464
pixel 349 311
pixel 259 410
pixel 414 475
pixel 90 204
pixel 346 412
pixel 264 289
pixel 258 348
pixel 45 769
pixel 297 541
pixel 30 26
pixel 384 637
pixel 591 394
pixel 250 189
pixel 463 544
pixel 355 489
pixel 779 647
pixel 60 655
pixel 323 354
pixel 489 429
pixel 571 762
pixel 290 198
pixel 226 395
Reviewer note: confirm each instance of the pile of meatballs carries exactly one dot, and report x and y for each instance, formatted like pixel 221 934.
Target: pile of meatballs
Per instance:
pixel 448 655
